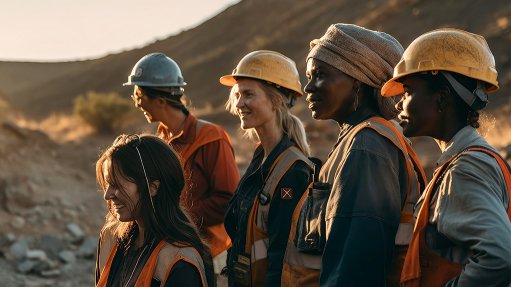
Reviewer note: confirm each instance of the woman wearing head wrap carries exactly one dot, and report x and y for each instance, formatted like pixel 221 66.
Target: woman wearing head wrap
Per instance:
pixel 462 234
pixel 372 171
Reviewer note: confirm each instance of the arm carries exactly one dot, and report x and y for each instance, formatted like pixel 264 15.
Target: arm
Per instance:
pixel 363 214
pixel 184 274
pixel 279 218
pixel 473 216
pixel 218 166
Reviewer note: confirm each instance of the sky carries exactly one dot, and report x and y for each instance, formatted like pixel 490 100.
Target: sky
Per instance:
pixel 63 30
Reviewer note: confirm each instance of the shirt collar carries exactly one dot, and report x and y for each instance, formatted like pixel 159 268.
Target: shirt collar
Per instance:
pixel 464 138
pixel 185 136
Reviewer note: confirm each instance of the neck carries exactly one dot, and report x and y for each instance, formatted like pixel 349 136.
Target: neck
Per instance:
pixel 270 136
pixel 447 134
pixel 140 238
pixel 173 120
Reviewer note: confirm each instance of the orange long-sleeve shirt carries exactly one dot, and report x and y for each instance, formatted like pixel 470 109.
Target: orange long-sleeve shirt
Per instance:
pixel 211 173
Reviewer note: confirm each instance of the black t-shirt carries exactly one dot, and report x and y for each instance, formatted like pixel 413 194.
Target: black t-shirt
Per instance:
pixel 130 264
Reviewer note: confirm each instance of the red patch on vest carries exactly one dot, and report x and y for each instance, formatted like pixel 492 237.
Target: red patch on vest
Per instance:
pixel 286 193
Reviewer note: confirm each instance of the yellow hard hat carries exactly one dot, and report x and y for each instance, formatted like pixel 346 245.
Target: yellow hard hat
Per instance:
pixel 449 50
pixel 268 66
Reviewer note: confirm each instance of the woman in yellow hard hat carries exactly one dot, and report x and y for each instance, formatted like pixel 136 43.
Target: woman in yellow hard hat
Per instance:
pixel 265 84
pixel 462 234
pixel 373 174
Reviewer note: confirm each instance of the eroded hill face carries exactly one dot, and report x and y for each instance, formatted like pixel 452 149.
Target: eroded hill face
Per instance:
pixel 213 48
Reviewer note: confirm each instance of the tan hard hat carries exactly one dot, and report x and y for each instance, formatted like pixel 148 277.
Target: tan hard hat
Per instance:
pixel 446 49
pixel 268 66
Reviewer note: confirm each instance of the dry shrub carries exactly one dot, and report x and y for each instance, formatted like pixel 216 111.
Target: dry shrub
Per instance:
pixel 104 112
pixel 4 108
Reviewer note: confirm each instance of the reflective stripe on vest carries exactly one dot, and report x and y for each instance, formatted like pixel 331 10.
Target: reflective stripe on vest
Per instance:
pixel 257 241
pixel 292 255
pixel 164 254
pixel 439 270
pixel 414 169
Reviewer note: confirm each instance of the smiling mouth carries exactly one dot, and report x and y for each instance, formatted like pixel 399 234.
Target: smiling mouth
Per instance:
pixel 118 206
pixel 313 104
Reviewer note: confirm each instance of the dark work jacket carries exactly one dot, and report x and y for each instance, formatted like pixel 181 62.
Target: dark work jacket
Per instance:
pixel 364 208
pixel 281 210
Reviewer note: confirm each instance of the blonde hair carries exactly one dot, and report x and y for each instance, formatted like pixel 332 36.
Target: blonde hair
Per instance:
pixel 288 122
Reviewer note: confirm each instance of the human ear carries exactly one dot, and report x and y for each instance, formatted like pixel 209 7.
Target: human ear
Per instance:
pixel 153 188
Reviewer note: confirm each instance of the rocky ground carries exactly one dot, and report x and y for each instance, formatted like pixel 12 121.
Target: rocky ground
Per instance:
pixel 51 210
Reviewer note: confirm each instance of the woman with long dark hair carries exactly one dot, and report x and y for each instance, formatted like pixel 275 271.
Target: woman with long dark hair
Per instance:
pixel 147 239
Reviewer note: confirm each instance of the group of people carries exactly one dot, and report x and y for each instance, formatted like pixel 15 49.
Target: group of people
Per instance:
pixel 179 211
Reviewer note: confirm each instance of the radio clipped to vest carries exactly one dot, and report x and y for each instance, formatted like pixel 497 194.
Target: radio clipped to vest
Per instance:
pixel 242 271
pixel 310 236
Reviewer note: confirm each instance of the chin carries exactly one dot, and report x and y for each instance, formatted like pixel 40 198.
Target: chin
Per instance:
pixel 245 126
pixel 409 132
pixel 318 116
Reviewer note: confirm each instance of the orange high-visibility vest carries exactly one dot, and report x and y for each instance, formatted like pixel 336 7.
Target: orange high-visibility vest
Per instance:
pixel 423 267
pixel 163 257
pixel 257 241
pixel 302 269
pixel 206 133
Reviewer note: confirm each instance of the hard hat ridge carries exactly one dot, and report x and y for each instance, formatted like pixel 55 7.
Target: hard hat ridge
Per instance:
pixel 156 70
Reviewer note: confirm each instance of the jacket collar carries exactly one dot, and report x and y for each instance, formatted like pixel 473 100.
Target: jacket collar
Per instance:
pixel 283 144
pixel 185 136
pixel 464 138
pixel 355 118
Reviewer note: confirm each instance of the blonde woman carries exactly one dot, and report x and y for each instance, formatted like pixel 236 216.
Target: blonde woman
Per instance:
pixel 265 84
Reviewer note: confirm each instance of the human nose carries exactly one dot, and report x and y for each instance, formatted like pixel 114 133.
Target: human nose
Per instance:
pixel 309 87
pixel 109 193
pixel 240 102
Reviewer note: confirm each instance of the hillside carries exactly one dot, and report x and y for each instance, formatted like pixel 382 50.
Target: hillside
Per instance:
pixel 214 47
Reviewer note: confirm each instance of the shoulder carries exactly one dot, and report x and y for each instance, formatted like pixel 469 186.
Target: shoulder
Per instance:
pixel 369 140
pixel 295 161
pixel 184 273
pixel 476 166
pixel 169 255
pixel 212 131
pixel 106 244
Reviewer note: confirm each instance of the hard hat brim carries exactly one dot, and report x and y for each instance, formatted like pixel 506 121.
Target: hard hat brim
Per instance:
pixel 230 80
pixel 393 88
pixel 148 84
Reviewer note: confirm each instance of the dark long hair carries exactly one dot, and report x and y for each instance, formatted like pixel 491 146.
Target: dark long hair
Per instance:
pixel 162 217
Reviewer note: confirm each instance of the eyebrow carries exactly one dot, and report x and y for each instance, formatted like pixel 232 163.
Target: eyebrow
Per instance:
pixel 244 90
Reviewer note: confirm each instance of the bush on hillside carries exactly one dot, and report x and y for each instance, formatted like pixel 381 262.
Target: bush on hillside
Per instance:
pixel 4 108
pixel 105 112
